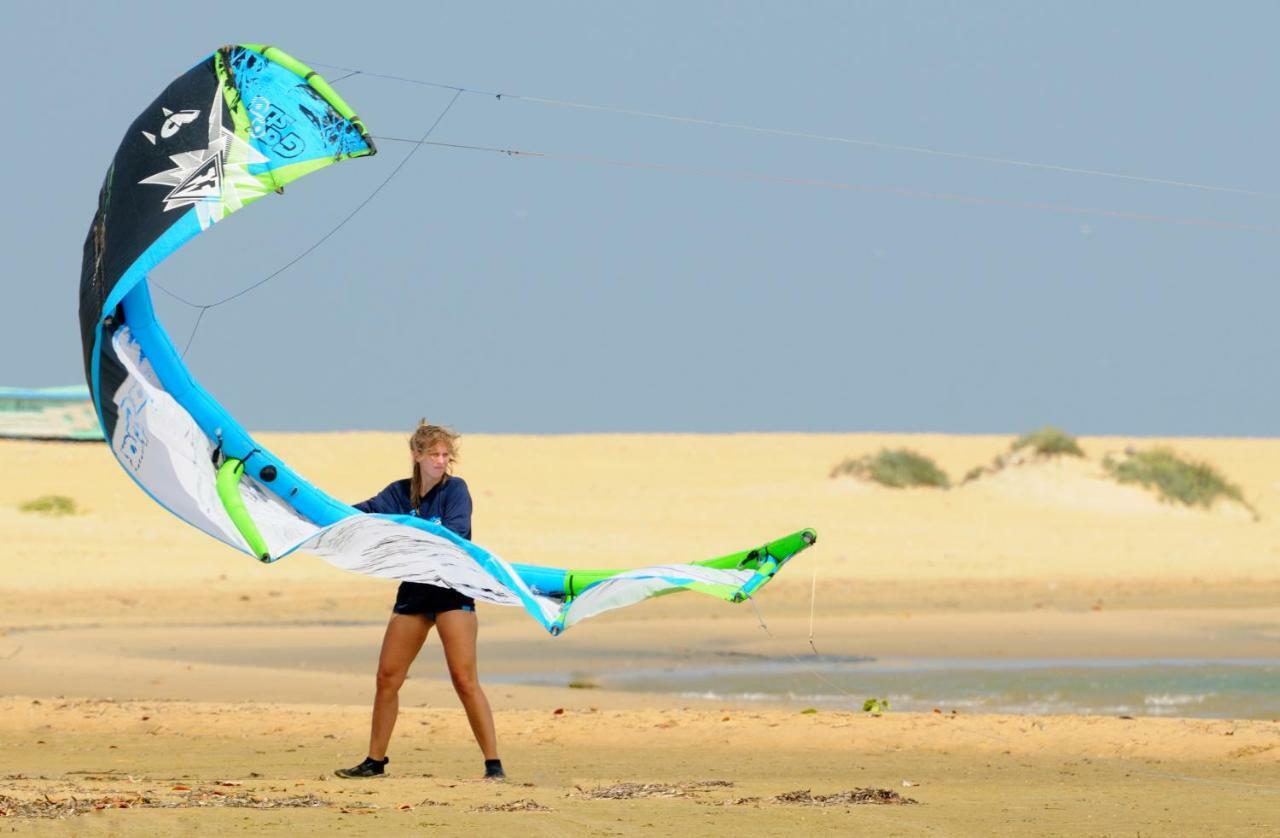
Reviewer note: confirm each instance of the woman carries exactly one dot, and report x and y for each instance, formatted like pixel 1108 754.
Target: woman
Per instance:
pixel 435 494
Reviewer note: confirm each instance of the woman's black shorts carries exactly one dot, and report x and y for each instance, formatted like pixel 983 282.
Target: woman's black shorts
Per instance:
pixel 430 600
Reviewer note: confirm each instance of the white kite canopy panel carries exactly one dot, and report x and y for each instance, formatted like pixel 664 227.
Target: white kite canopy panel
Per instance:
pixel 236 127
pixel 48 413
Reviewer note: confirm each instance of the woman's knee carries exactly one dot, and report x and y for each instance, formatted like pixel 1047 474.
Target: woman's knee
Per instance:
pixel 465 681
pixel 390 679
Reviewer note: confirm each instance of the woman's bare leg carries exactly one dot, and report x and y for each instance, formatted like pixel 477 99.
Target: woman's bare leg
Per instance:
pixel 400 645
pixel 458 630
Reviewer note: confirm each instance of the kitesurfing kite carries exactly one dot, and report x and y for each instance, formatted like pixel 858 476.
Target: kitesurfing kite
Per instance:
pixel 241 124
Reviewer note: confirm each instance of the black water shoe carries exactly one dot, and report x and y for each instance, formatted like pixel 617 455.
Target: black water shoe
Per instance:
pixel 369 768
pixel 493 770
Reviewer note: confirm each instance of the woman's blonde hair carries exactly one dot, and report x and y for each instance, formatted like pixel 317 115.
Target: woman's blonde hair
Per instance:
pixel 423 439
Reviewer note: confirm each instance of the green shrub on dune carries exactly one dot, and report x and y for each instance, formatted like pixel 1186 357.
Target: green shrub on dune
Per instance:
pixel 1049 442
pixel 1046 443
pixel 897 469
pixel 1175 479
pixel 51 505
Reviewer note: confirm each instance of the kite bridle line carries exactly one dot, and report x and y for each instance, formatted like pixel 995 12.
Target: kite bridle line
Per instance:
pixel 203 307
pixel 458 91
pixel 798 134
pixel 845 186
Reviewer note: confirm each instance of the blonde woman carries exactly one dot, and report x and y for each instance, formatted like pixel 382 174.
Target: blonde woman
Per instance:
pixel 431 492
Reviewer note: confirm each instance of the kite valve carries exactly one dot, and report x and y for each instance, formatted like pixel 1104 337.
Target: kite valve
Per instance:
pixel 267 474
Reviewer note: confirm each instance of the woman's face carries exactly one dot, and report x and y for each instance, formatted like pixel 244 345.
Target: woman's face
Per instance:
pixel 433 463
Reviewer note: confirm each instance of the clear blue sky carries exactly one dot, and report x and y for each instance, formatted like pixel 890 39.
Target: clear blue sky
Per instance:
pixel 507 294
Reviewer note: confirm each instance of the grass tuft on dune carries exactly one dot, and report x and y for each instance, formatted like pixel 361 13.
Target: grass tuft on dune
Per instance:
pixel 898 468
pixel 1176 479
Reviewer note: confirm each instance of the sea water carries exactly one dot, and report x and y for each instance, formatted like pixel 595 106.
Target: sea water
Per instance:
pixel 1221 688
pixel 1241 688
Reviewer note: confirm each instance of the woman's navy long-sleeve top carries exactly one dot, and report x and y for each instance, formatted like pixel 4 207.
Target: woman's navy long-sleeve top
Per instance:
pixel 449 502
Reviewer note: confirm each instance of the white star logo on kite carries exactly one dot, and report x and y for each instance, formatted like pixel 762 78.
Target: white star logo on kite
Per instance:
pixel 215 179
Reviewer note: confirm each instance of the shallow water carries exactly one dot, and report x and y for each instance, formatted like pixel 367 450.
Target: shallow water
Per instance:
pixel 1233 688
pixel 1242 688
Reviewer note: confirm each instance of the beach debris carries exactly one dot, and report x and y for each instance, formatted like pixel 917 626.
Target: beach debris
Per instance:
pixel 1250 751
pixel 633 791
pixel 855 797
pixel 559 711
pixel 908 784
pixel 246 800
pixel 50 807
pixel 525 805
pixel 808 711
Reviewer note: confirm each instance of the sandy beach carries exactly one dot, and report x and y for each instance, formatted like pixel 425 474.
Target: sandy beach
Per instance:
pixel 152 681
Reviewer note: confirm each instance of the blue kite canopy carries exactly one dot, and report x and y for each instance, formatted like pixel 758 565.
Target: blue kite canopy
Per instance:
pixel 240 125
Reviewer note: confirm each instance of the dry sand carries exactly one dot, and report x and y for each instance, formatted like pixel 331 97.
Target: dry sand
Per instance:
pixel 143 665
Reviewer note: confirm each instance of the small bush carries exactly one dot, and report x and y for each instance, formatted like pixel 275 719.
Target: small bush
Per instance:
pixel 875 706
pixel 51 505
pixel 1049 442
pixel 1046 442
pixel 896 469
pixel 1177 480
